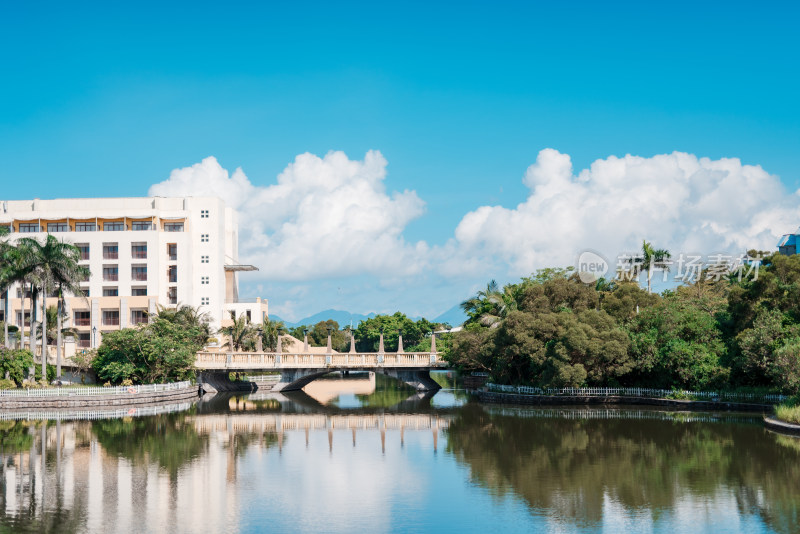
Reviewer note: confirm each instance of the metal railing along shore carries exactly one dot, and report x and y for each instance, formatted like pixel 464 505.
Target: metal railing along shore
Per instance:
pixel 639 392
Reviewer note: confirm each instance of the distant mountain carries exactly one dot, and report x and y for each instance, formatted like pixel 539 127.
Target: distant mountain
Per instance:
pixel 454 316
pixel 340 316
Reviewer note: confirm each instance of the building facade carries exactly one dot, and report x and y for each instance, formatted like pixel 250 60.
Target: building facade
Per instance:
pixel 788 243
pixel 142 253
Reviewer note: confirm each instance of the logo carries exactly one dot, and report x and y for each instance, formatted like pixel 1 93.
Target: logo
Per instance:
pixel 591 266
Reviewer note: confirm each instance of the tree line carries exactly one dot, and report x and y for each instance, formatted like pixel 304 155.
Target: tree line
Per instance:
pixel 553 330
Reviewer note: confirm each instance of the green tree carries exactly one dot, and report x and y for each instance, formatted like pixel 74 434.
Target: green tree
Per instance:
pixel 651 259
pixel 241 334
pixel 270 330
pixel 368 332
pixel 16 363
pixel 53 264
pixel 678 343
pixel 161 351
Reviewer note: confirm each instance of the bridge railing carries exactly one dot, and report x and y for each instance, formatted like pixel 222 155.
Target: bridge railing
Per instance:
pixel 273 360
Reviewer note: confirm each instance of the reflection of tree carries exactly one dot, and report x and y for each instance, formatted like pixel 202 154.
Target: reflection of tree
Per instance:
pixel 14 437
pixel 170 441
pixel 567 466
pixel 388 392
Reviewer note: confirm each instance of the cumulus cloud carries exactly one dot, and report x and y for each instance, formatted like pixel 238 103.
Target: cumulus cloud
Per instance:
pixel 677 201
pixel 325 217
pixel 332 218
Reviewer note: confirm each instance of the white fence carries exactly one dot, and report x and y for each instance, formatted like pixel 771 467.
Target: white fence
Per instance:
pixel 93 415
pixel 93 391
pixel 638 392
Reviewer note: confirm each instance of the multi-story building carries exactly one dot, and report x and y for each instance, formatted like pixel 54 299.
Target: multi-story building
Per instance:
pixel 142 253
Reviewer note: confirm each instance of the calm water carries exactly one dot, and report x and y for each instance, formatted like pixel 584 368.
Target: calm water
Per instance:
pixel 360 454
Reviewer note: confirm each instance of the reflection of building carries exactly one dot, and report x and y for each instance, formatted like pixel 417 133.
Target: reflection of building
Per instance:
pixel 788 243
pixel 142 252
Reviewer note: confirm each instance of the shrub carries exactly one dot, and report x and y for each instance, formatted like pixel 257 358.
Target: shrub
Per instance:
pixel 7 384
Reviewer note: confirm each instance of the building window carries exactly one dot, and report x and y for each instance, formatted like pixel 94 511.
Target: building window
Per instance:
pixel 84 248
pixel 204 301
pixel 5 227
pixel 172 274
pixel 111 251
pixel 173 227
pixel 85 227
pixel 110 292
pixel 110 317
pixel 203 259
pixel 83 318
pixel 27 318
pixel 113 227
pixel 138 291
pixel 111 273
pixel 27 228
pixel 138 316
pixel 204 238
pixel 84 340
pixel 139 251
pixel 172 251
pixel 204 214
pixel 139 273
pixel 57 227
pixel 141 226
pixel 172 295
pixel 204 280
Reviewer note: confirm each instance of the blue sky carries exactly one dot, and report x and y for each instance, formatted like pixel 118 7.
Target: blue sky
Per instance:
pixel 459 98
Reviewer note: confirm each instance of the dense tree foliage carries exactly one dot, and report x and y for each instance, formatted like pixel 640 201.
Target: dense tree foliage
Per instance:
pixel 161 351
pixel 709 333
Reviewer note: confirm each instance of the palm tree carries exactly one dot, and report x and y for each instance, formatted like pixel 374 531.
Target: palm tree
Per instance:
pixel 654 259
pixel 6 278
pixel 490 306
pixel 54 327
pixel 54 264
pixel 651 259
pixel 270 330
pixel 240 333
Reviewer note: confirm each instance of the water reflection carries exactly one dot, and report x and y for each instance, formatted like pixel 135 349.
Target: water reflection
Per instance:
pixel 655 466
pixel 272 462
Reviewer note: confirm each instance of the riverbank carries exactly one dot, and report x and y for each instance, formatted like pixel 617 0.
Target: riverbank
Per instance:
pixel 781 426
pixel 98 396
pixel 494 397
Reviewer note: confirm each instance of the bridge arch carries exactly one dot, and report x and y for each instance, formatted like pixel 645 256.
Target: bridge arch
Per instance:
pixel 296 379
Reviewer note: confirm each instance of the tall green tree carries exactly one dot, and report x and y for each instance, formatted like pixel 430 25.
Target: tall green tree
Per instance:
pixel 653 259
pixel 270 330
pixel 53 264
pixel 241 334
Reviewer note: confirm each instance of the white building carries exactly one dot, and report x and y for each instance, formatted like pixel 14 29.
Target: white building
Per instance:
pixel 142 252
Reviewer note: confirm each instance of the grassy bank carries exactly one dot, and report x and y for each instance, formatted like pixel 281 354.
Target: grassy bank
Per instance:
pixel 789 413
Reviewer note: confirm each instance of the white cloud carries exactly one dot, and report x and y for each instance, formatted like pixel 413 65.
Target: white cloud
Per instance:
pixel 325 217
pixel 677 201
pixel 330 220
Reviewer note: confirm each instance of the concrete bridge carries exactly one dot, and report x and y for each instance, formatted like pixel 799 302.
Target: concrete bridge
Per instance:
pixel 299 369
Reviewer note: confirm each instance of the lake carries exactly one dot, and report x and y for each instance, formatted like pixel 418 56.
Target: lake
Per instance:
pixel 361 453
